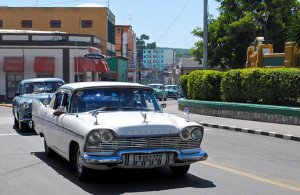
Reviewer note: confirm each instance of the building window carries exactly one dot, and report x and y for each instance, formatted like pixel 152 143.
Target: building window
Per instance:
pixel 45 76
pixel 26 23
pixel 1 23
pixel 118 30
pixel 55 23
pixel 86 23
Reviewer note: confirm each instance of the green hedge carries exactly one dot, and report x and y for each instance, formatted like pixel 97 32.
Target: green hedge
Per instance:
pixel 183 81
pixel 204 85
pixel 264 85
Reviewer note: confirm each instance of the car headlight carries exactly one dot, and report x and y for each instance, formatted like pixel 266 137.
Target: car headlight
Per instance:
pixel 196 134
pixel 192 133
pixel 185 134
pixel 101 135
pixel 26 105
pixel 106 135
pixel 94 137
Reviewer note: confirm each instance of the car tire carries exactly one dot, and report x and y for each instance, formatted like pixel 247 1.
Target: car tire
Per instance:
pixel 176 98
pixel 160 99
pixel 48 151
pixel 165 99
pixel 81 171
pixel 16 124
pixel 179 170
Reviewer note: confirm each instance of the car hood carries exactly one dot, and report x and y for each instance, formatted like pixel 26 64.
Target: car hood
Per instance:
pixel 40 96
pixel 134 124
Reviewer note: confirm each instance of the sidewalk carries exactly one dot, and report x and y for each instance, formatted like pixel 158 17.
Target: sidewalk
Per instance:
pixel 283 131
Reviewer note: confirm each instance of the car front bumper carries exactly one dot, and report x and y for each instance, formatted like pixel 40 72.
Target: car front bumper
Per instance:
pixel 181 157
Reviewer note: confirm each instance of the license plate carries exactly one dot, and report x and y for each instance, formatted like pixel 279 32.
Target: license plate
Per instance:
pixel 147 157
pixel 145 160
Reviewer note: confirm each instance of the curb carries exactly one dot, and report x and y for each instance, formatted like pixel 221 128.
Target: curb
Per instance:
pixel 253 131
pixel 6 105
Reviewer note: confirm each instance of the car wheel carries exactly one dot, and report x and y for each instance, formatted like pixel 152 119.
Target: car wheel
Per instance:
pixel 175 98
pixel 16 124
pixel 179 170
pixel 22 126
pixel 165 99
pixel 160 99
pixel 48 151
pixel 81 171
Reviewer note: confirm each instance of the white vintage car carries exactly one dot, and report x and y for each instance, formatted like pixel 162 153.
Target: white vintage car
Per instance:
pixel 105 125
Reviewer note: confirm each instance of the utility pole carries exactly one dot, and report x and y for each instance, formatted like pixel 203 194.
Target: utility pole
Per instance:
pixel 205 36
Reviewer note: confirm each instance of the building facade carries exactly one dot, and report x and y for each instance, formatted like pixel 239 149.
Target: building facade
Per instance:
pixel 159 58
pixel 126 47
pixel 34 54
pixel 98 21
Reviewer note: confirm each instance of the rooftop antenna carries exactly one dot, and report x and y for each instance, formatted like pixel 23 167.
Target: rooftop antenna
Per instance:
pixel 108 4
pixel 130 19
pixel 37 3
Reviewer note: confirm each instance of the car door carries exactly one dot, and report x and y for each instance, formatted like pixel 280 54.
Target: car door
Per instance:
pixel 52 129
pixel 64 133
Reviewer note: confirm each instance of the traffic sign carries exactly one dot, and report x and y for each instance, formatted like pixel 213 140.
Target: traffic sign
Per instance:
pixel 94 56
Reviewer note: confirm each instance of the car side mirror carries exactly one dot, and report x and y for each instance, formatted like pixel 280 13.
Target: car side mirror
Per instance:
pixel 17 94
pixel 59 111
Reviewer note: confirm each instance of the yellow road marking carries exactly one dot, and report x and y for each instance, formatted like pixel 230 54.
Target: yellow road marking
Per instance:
pixel 252 176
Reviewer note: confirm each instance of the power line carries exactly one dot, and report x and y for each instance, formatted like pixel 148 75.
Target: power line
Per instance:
pixel 174 21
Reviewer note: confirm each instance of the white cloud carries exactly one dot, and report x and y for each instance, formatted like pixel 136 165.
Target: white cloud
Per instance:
pixel 90 5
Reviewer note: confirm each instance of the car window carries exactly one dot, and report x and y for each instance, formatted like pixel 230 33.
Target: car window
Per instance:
pixel 107 99
pixel 58 99
pixel 41 87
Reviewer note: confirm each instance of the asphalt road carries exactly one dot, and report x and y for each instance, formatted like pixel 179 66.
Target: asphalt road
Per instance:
pixel 238 163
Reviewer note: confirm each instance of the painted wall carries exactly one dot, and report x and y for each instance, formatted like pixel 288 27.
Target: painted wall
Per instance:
pixel 70 17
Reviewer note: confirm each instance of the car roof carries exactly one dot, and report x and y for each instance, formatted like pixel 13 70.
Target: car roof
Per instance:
pixel 81 85
pixel 155 84
pixel 171 85
pixel 40 80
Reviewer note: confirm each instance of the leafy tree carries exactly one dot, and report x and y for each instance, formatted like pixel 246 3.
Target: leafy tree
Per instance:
pixel 239 22
pixel 294 30
pixel 141 44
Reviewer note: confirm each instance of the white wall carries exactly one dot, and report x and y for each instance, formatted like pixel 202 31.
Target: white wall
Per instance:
pixel 29 56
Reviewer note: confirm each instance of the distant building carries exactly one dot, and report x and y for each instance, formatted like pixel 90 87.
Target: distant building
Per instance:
pixel 98 21
pixel 35 54
pixel 185 66
pixel 159 58
pixel 126 47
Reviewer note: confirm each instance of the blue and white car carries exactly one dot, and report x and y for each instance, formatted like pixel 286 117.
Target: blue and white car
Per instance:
pixel 106 125
pixel 28 89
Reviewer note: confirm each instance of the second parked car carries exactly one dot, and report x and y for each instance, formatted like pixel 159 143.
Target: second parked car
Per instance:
pixel 28 89
pixel 159 91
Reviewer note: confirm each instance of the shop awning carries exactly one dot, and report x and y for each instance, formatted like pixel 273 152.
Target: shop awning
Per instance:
pixel 13 64
pixel 102 66
pixel 83 64
pixel 44 64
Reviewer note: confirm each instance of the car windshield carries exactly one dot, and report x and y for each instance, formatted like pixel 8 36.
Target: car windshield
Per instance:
pixel 41 87
pixel 156 86
pixel 108 99
pixel 171 87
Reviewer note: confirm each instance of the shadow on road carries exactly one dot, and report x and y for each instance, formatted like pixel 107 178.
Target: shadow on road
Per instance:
pixel 118 181
pixel 28 132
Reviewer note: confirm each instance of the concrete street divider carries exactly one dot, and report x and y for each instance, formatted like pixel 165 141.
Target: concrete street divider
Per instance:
pixel 253 131
pixel 254 112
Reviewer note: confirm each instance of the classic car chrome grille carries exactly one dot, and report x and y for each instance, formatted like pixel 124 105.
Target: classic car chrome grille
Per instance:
pixel 143 143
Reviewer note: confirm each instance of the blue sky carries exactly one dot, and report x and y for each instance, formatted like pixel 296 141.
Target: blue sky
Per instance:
pixel 168 22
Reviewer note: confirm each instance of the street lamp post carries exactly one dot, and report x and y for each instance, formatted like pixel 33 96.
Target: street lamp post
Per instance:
pixel 265 18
